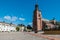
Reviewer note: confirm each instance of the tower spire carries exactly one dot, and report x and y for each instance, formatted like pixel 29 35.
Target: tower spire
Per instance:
pixel 36 5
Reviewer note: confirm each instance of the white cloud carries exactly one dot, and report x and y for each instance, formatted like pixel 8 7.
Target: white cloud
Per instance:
pixel 7 17
pixel 22 19
pixel 13 18
pixel 30 23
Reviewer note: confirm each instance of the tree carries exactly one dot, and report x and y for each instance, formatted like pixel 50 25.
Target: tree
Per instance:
pixel 20 25
pixel 29 27
pixel 17 28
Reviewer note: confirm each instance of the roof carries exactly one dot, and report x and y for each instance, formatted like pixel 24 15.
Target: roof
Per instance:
pixel 45 20
pixel 7 23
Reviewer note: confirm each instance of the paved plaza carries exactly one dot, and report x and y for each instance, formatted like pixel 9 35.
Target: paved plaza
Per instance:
pixel 18 36
pixel 22 36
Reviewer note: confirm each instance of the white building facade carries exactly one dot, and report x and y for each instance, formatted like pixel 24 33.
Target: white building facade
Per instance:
pixel 6 27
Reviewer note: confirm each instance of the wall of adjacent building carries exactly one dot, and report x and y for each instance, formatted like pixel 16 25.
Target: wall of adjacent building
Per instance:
pixel 7 27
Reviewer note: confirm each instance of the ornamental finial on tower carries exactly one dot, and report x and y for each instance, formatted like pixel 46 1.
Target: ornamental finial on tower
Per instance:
pixel 36 6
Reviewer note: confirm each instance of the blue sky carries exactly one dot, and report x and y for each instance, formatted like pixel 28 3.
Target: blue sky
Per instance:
pixel 21 11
